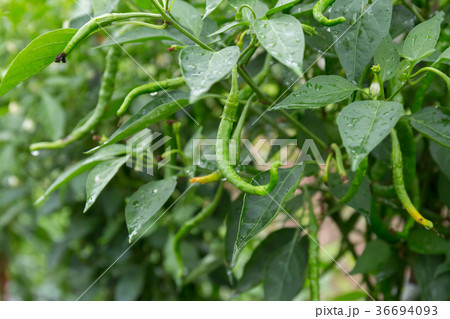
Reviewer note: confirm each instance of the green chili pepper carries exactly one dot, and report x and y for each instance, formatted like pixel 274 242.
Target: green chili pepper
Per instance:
pixel 397 171
pixel 319 9
pixel 222 147
pixel 94 25
pixel 190 224
pixel 313 256
pixel 148 88
pixel 340 163
pixel 104 98
pixel 408 148
pixel 357 180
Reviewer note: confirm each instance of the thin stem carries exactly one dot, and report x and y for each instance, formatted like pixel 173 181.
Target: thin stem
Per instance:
pixel 397 91
pixel 414 10
pixel 313 260
pixel 430 69
pixel 253 85
pixel 239 11
pixel 177 26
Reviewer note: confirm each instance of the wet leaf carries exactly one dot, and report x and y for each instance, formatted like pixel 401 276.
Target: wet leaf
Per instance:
pixel 422 40
pixel 202 68
pixel 364 124
pixel 282 36
pixel 35 57
pixel 145 202
pixel 153 112
pixel 434 123
pixel 211 5
pixel 317 92
pixel 259 211
pixel 82 166
pixel 99 177
pixel 360 35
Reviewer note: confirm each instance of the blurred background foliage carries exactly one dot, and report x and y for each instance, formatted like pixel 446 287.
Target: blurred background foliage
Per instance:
pixel 55 252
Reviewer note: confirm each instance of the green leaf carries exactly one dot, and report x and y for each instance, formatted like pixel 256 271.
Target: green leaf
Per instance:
pixel 375 255
pixel 99 177
pixel 145 202
pixel 153 112
pixel 202 68
pixel 103 6
pixel 259 211
pixel 282 36
pixel 422 40
pixel 254 268
pixel 359 36
pixel 281 5
pixel 387 57
pixel 141 34
pixel 188 16
pixel 441 156
pixel 317 92
pixel 434 123
pixel 82 166
pixel 427 242
pixel 444 57
pixel 35 57
pixel 364 124
pixel 285 272
pixel 211 5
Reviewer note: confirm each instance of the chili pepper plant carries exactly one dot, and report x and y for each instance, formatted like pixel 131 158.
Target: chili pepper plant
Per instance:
pixel 146 116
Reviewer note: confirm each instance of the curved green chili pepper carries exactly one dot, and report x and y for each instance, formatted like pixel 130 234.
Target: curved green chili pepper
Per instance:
pixel 104 98
pixel 318 10
pixel 148 88
pixel 187 227
pixel 96 23
pixel 313 251
pixel 223 142
pixel 357 180
pixel 397 171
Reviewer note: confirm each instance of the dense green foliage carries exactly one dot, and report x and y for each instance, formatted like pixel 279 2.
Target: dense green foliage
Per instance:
pixel 365 83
